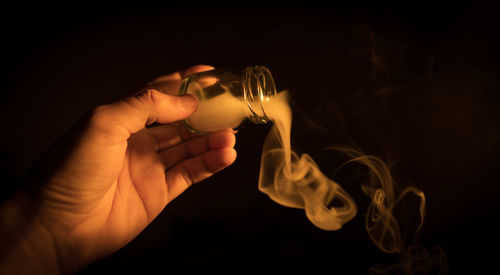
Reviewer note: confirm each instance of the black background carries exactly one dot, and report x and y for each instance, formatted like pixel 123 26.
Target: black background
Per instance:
pixel 415 84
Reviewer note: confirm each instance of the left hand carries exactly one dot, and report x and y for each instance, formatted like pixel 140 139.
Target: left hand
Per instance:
pixel 110 176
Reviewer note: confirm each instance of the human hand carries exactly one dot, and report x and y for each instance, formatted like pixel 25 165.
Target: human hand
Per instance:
pixel 106 180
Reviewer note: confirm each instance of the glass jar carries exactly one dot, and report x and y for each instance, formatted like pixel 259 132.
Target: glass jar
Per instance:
pixel 228 97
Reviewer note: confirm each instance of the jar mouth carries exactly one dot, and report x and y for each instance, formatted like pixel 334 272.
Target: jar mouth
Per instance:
pixel 257 89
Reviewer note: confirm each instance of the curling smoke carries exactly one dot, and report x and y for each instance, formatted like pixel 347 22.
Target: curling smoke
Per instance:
pixel 296 181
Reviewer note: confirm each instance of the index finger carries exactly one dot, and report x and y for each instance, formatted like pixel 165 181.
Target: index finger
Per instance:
pixel 170 84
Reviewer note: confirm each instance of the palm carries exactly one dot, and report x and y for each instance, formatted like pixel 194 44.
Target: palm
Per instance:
pixel 137 195
pixel 149 175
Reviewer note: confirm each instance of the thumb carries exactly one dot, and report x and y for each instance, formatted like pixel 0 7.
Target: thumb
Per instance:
pixel 132 114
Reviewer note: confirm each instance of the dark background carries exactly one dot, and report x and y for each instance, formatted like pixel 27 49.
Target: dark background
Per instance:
pixel 416 85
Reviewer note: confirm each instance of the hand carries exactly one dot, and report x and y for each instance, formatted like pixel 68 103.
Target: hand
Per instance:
pixel 105 181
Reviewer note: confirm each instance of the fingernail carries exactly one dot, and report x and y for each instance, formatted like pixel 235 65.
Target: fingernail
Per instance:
pixel 189 102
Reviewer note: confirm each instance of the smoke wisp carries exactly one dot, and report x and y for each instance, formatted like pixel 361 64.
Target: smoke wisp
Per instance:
pixel 296 181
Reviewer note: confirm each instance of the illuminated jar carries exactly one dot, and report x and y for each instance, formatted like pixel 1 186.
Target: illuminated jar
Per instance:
pixel 228 97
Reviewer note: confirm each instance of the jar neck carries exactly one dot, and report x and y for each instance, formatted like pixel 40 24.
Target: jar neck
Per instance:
pixel 258 87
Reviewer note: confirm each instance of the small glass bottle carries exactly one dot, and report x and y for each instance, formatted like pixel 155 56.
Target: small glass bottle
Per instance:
pixel 228 97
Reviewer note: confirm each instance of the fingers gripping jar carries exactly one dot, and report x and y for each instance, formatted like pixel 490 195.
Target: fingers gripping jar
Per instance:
pixel 228 97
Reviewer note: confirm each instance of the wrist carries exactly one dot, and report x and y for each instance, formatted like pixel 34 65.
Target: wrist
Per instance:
pixel 28 246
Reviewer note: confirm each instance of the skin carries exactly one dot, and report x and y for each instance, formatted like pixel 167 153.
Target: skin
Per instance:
pixel 104 181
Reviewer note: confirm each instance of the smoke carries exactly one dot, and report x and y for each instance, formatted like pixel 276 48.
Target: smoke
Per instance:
pixel 416 260
pixel 380 222
pixel 302 185
pixel 296 181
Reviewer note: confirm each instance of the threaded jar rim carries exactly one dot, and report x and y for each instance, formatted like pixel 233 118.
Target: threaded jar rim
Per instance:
pixel 258 86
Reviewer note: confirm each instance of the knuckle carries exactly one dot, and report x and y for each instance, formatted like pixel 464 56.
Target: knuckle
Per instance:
pixel 148 96
pixel 188 177
pixel 99 116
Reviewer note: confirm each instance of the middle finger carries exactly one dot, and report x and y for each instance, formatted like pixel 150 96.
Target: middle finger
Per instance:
pixel 166 136
pixel 197 146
